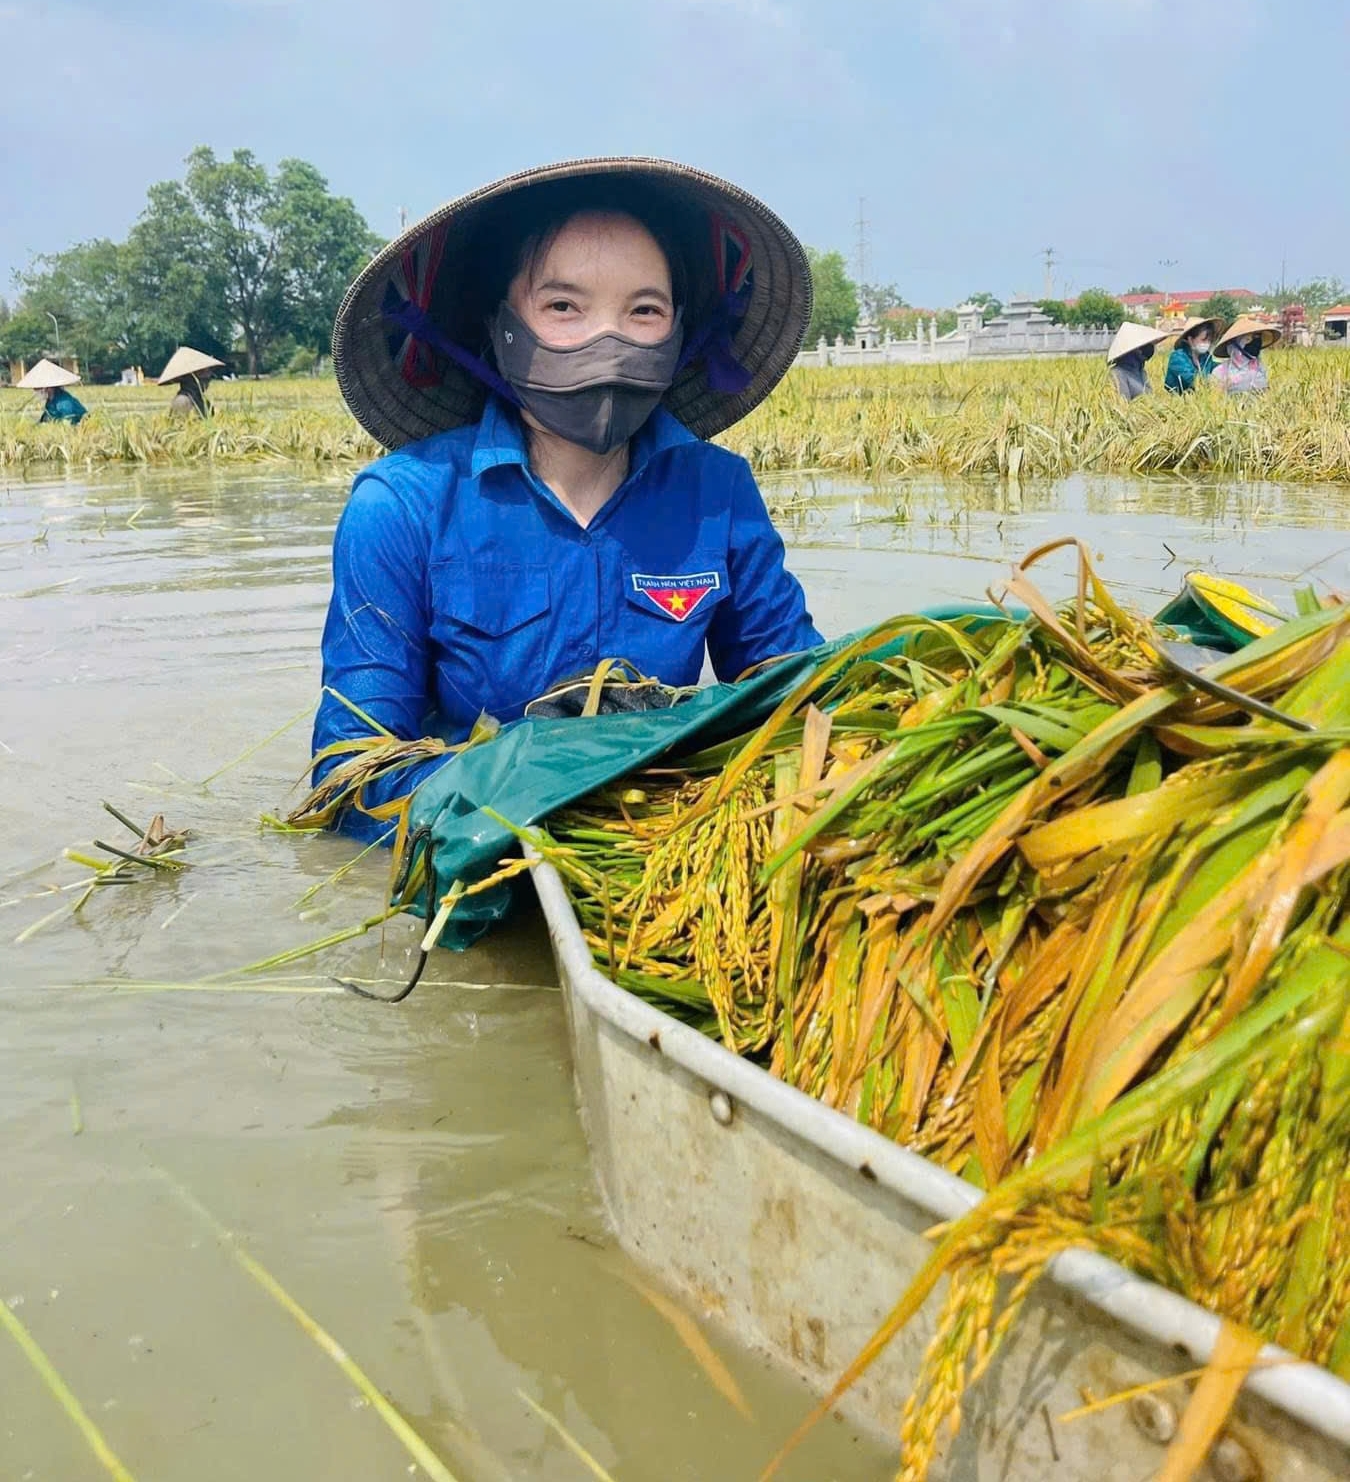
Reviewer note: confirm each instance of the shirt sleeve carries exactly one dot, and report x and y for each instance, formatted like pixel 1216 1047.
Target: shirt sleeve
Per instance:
pixel 764 616
pixel 376 640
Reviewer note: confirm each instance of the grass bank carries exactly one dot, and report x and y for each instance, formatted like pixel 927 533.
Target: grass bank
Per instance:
pixel 1028 417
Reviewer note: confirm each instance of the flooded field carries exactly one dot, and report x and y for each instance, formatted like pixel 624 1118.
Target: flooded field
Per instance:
pixel 193 1168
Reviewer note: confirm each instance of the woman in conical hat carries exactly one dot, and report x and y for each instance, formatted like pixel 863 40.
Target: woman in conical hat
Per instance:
pixel 1190 359
pixel 1239 354
pixel 548 355
pixel 1130 351
pixel 191 370
pixel 50 381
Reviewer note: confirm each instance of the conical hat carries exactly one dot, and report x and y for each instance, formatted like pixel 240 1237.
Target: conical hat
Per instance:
pixel 1132 336
pixel 1243 326
pixel 749 295
pixel 1191 324
pixel 46 373
pixel 185 361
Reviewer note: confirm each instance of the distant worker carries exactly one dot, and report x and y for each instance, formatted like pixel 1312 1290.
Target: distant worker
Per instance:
pixel 192 370
pixel 1130 351
pixel 1190 359
pixel 1240 352
pixel 50 380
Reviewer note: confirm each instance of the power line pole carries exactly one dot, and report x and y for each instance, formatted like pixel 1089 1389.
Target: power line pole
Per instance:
pixel 1049 272
pixel 403 218
pixel 862 241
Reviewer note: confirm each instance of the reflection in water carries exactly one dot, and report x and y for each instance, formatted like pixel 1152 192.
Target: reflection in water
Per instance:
pixel 417 1177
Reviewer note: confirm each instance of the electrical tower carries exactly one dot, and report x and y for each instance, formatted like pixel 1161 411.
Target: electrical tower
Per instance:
pixel 1049 272
pixel 402 218
pixel 862 242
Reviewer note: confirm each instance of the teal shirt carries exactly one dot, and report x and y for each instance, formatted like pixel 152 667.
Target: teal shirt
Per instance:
pixel 63 408
pixel 1182 372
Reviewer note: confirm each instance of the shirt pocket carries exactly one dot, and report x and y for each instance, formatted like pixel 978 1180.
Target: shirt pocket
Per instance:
pixel 491 625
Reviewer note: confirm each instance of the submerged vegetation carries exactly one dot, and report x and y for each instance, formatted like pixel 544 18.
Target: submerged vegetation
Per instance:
pixel 1021 898
pixel 1016 418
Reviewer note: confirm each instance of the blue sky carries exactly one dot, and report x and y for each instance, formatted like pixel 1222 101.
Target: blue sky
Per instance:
pixel 1120 132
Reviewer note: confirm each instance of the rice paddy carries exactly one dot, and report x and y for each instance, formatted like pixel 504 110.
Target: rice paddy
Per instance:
pixel 1020 897
pixel 1023 418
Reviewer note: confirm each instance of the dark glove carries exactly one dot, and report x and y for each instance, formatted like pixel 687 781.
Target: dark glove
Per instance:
pixel 612 688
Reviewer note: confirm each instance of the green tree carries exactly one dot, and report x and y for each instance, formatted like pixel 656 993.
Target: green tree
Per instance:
pixel 1315 295
pixel 84 291
pixel 987 304
pixel 1056 310
pixel 834 310
pixel 322 243
pixel 26 335
pixel 876 300
pixel 236 204
pixel 1097 309
pixel 176 285
pixel 1220 306
pixel 1143 288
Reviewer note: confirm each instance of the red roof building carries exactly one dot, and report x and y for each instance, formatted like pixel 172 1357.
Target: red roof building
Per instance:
pixel 1197 296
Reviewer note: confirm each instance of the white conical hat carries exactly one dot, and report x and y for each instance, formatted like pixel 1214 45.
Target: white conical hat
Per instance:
pixel 1131 336
pixel 47 373
pixel 185 361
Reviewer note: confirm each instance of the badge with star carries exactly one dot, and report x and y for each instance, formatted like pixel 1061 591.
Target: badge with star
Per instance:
pixel 677 596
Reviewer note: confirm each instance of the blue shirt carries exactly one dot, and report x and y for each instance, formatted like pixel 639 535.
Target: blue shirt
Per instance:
pixel 63 407
pixel 1182 371
pixel 462 584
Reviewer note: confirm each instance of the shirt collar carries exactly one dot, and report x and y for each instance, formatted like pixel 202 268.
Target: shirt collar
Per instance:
pixel 501 439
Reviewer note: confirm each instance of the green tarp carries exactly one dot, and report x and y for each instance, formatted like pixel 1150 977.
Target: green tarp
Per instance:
pixel 534 767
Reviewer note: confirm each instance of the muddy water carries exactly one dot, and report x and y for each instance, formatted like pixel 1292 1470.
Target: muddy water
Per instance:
pixel 414 1179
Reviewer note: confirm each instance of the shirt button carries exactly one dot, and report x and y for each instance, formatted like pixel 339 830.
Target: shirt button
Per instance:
pixel 585 537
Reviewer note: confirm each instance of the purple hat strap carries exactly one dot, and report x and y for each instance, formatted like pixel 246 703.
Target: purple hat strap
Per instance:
pixel 419 324
pixel 713 341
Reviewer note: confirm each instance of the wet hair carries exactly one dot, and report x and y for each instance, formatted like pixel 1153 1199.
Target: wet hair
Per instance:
pixel 516 233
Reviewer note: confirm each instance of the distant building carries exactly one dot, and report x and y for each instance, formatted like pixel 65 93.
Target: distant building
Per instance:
pixel 1165 307
pixel 1336 323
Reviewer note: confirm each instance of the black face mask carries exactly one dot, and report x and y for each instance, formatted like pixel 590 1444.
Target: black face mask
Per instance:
pixel 1146 353
pixel 596 394
pixel 1253 346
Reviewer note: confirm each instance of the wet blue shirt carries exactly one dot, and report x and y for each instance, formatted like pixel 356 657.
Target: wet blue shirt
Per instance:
pixel 461 583
pixel 63 407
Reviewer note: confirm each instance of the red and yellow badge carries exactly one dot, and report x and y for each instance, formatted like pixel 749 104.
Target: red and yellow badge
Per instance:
pixel 677 596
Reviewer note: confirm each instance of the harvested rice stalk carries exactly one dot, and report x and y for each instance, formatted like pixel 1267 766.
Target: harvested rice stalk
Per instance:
pixel 1029 906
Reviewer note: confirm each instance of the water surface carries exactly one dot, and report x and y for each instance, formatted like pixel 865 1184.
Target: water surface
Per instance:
pixel 415 1178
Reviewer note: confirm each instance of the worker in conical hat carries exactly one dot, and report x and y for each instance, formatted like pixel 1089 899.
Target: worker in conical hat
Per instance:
pixel 1130 351
pixel 1190 360
pixel 50 381
pixel 191 369
pixel 1239 354
pixel 549 357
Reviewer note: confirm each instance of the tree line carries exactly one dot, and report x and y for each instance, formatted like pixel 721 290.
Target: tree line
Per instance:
pixel 242 262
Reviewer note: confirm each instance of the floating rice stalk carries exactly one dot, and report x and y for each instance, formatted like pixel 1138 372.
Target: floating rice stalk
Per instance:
pixel 567 1438
pixel 413 1443
pixel 296 954
pixel 257 746
pixel 63 1395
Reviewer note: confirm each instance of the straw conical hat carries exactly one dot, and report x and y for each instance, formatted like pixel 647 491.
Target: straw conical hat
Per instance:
pixel 1131 336
pixel 1243 326
pixel 46 373
pixel 402 386
pixel 185 361
pixel 1191 324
